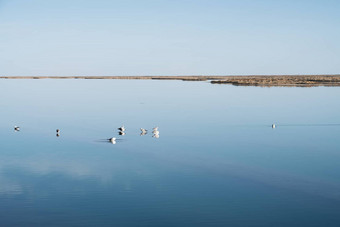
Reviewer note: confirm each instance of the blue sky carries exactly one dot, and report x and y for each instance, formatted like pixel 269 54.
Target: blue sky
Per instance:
pixel 169 37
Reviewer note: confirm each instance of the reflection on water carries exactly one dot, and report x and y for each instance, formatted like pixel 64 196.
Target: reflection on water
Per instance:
pixel 218 162
pixel 121 133
pixel 156 134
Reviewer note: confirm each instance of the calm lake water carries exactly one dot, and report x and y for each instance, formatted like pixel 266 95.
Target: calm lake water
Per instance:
pixel 217 161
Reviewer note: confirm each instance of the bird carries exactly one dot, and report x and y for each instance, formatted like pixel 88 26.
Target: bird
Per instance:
pixel 155 128
pixel 155 133
pixel 122 128
pixel 112 140
pixel 16 128
pixel 273 125
pixel 57 133
pixel 144 131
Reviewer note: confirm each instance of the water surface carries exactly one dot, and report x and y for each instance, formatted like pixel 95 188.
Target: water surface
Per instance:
pixel 217 161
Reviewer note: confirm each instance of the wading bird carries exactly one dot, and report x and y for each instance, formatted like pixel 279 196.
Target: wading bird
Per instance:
pixel 122 128
pixel 113 140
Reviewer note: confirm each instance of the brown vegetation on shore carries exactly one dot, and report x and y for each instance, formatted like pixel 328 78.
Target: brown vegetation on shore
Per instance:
pixel 282 81
pixel 265 81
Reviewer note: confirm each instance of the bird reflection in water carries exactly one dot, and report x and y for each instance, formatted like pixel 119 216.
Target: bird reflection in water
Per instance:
pixel 121 133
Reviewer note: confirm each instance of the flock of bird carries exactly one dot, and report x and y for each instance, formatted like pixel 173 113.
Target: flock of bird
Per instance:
pixel 121 131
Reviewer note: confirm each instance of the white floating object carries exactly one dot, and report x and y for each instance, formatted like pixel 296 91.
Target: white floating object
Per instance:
pixel 273 125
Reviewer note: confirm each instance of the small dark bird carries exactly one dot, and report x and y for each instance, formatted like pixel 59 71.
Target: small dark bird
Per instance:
pixel 16 128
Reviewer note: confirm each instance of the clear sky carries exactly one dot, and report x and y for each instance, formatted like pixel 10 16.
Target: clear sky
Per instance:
pixel 169 37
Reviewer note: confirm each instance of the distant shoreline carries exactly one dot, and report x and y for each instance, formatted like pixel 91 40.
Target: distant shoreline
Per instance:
pixel 255 80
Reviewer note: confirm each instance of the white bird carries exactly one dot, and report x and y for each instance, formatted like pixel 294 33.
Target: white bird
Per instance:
pixel 122 128
pixel 144 132
pixel 155 134
pixel 273 125
pixel 16 128
pixel 113 140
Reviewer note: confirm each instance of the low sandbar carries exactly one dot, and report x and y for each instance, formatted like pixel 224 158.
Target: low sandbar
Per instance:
pixel 255 80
